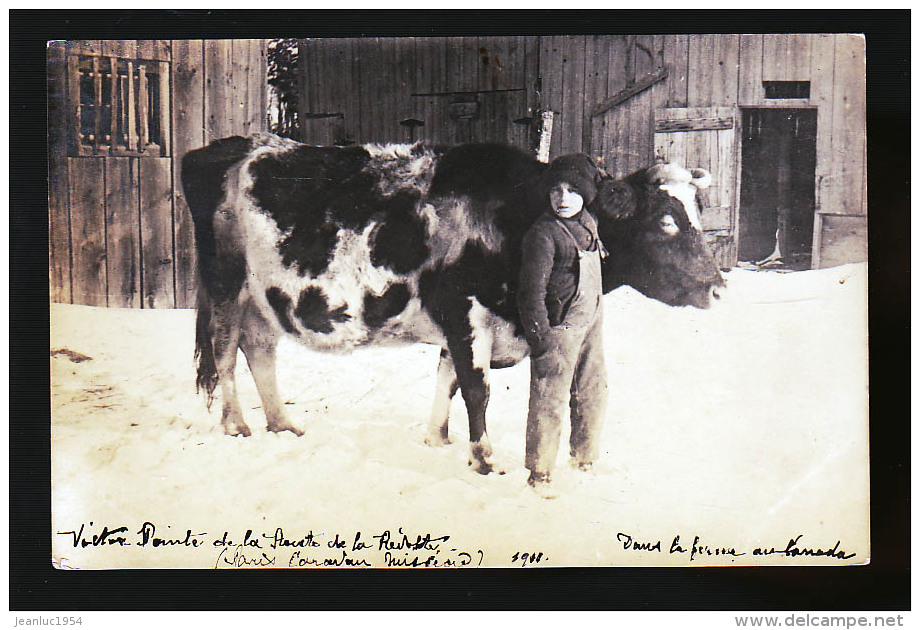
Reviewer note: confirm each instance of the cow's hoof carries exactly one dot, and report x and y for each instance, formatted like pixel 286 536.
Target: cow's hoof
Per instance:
pixel 480 453
pixel 237 429
pixel 280 427
pixel 481 467
pixel 437 437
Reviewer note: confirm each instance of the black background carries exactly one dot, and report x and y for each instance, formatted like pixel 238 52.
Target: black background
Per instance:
pixel 882 585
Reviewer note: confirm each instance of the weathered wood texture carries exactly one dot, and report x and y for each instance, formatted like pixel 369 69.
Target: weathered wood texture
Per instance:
pixel 59 260
pixel 441 90
pixel 705 137
pixel 120 232
pixel 841 239
pixel 707 71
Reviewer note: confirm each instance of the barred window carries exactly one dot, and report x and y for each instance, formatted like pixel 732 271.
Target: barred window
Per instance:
pixel 118 106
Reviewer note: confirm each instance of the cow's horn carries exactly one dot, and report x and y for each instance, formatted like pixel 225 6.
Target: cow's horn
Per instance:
pixel 701 178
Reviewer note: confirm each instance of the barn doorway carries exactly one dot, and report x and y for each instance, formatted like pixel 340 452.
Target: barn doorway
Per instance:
pixel 777 205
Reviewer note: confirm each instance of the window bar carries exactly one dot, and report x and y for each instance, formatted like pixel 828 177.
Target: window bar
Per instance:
pixel 164 108
pixel 97 106
pixel 142 108
pixel 123 112
pixel 132 133
pixel 113 104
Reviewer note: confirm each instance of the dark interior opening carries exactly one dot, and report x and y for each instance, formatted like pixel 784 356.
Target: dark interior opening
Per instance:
pixel 786 89
pixel 777 205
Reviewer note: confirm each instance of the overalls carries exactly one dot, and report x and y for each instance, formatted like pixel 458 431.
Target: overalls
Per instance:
pixel 571 370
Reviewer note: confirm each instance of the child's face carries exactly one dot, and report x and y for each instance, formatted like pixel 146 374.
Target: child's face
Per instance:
pixel 565 200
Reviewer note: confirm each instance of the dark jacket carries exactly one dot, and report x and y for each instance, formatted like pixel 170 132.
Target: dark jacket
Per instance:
pixel 549 272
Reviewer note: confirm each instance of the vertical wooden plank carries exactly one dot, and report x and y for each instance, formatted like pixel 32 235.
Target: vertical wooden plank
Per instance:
pixel 849 126
pixel 97 104
pixel 74 109
pixel 570 124
pixel 701 70
pixel 87 203
pixel 219 119
pixel 143 132
pixel 188 127
pixel 725 71
pixel 616 81
pixel 750 72
pixel 402 89
pixel 132 118
pixel 165 107
pixel 531 79
pixel 595 71
pixel 350 96
pixel 112 65
pixel 676 56
pixel 799 60
pixel 156 232
pixel 822 95
pixel 263 85
pixel 363 57
pixel 494 63
pixel 305 73
pixel 551 81
pixel 774 67
pixel 430 78
pixel 122 221
pixel 58 211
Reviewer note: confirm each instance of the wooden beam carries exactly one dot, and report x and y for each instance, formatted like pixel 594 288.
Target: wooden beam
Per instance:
pixel 693 124
pixel 629 92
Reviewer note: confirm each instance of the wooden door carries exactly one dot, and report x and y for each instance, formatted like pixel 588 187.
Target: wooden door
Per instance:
pixel 704 137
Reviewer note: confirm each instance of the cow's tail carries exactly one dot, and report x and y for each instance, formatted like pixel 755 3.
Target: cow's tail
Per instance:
pixel 204 350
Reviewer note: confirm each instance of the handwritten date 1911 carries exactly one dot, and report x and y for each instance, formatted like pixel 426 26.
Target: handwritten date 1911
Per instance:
pixel 529 557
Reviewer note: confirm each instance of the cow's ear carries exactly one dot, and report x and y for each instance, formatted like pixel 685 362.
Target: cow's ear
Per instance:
pixel 617 199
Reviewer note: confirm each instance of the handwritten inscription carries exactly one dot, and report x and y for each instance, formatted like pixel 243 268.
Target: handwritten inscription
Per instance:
pixel 793 550
pixel 699 549
pixel 399 547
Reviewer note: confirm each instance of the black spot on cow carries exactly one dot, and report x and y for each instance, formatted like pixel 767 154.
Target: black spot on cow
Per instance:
pixel 378 309
pixel 312 192
pixel 399 240
pixel 313 310
pixel 310 252
pixel 281 304
pixel 203 174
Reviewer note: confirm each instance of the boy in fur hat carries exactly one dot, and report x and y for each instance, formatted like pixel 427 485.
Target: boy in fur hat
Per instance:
pixel 559 300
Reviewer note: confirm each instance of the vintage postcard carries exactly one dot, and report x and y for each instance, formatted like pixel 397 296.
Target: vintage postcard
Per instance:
pixel 297 287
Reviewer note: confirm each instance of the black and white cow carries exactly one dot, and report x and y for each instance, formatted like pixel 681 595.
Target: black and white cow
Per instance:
pixel 368 245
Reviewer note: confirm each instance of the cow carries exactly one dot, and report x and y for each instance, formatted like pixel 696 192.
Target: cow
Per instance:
pixel 345 247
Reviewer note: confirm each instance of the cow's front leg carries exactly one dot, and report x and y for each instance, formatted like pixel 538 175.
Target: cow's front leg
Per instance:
pixel 259 343
pixel 225 336
pixel 440 413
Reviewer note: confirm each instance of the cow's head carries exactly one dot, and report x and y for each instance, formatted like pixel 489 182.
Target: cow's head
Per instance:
pixel 650 222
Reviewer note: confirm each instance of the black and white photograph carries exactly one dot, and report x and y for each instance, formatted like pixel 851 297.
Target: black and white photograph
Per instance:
pixel 505 301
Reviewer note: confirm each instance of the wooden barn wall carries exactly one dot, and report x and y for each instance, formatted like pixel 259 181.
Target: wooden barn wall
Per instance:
pixel 403 89
pixel 578 73
pixel 120 233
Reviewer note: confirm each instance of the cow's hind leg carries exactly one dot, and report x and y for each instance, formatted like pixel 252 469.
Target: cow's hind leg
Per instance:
pixel 259 342
pixel 470 346
pixel 440 413
pixel 226 320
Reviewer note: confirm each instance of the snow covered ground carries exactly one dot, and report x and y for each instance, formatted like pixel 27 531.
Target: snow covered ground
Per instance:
pixel 745 425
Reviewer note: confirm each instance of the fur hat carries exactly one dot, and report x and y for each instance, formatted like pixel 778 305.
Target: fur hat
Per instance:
pixel 577 170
